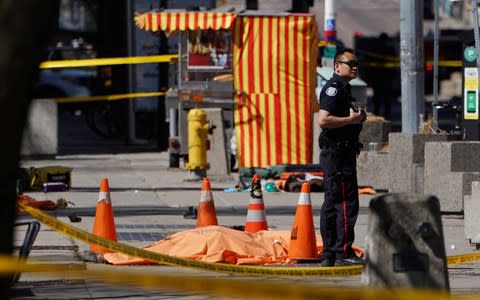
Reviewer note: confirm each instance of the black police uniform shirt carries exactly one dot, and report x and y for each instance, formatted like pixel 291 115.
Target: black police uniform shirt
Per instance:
pixel 337 99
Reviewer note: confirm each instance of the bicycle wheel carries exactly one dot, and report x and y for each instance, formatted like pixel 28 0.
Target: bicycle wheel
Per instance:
pixel 102 119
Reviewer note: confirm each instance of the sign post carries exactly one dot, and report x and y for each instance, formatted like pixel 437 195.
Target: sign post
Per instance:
pixel 470 115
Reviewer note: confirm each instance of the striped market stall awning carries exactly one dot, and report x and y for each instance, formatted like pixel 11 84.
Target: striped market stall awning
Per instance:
pixel 180 21
pixel 275 58
pixel 274 76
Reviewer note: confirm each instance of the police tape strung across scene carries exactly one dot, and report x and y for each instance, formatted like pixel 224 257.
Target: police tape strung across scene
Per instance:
pixel 175 261
pixel 462 259
pixel 217 267
pixel 77 63
pixel 111 97
pixel 228 287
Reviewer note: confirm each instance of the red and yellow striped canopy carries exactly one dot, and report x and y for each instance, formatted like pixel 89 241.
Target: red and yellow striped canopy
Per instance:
pixel 180 21
pixel 275 59
pixel 274 74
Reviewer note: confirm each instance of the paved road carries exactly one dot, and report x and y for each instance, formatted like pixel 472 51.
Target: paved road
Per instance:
pixel 149 200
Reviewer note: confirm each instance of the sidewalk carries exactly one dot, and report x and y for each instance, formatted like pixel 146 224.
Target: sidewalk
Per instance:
pixel 149 200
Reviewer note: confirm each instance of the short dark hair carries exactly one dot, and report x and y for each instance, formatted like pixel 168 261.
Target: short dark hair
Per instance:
pixel 342 51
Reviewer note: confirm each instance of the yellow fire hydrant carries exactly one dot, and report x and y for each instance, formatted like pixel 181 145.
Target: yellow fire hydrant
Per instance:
pixel 197 140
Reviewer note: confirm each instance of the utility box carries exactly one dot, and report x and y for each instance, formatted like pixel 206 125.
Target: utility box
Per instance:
pixel 405 245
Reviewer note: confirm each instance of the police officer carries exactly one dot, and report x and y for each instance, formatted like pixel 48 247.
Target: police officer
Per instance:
pixel 341 123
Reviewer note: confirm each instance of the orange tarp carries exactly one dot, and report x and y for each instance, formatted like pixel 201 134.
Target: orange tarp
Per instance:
pixel 219 244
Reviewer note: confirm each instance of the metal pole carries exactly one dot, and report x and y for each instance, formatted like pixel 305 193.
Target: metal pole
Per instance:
pixel 329 33
pixel 435 66
pixel 131 73
pixel 412 64
pixel 329 23
pixel 172 129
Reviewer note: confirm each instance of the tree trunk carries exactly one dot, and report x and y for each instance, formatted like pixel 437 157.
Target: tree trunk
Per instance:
pixel 25 26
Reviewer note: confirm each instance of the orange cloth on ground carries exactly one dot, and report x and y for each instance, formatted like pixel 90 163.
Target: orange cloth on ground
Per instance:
pixel 366 191
pixel 39 204
pixel 220 244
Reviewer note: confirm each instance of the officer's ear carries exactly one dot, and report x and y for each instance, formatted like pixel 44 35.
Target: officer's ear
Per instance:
pixel 335 67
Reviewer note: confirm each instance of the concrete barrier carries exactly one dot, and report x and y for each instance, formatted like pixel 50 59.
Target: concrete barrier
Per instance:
pixel 407 158
pixel 405 244
pixel 375 130
pixel 450 168
pixel 40 136
pixel 373 169
pixel 471 204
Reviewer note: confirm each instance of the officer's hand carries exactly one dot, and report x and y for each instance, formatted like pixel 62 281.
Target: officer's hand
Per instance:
pixel 356 116
pixel 364 115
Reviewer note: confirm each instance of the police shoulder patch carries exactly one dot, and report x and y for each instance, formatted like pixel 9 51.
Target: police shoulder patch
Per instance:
pixel 331 91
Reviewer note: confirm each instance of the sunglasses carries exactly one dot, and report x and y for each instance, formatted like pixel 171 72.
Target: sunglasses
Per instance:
pixel 350 63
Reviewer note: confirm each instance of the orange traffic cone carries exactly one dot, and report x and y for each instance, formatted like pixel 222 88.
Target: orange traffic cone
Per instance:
pixel 206 208
pixel 104 225
pixel 303 243
pixel 256 218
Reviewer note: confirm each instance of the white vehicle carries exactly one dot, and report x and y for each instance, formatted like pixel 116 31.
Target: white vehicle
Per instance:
pixel 57 83
pixel 62 83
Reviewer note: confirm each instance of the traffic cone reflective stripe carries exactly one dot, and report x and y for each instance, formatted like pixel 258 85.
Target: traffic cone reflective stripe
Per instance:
pixel 304 198
pixel 206 214
pixel 104 224
pixel 256 217
pixel 206 196
pixel 303 242
pixel 256 221
pixel 104 193
pixel 104 196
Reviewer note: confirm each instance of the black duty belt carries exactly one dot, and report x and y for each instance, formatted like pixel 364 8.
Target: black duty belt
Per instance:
pixel 326 143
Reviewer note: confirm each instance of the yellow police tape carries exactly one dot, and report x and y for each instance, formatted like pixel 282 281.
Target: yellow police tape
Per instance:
pixel 463 259
pixel 175 261
pixel 378 55
pixel 112 97
pixel 391 61
pixel 92 62
pixel 246 288
pixel 218 267
pixel 218 286
pixel 392 65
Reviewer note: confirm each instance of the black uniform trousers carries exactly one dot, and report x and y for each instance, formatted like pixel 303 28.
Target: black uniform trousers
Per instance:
pixel 339 211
